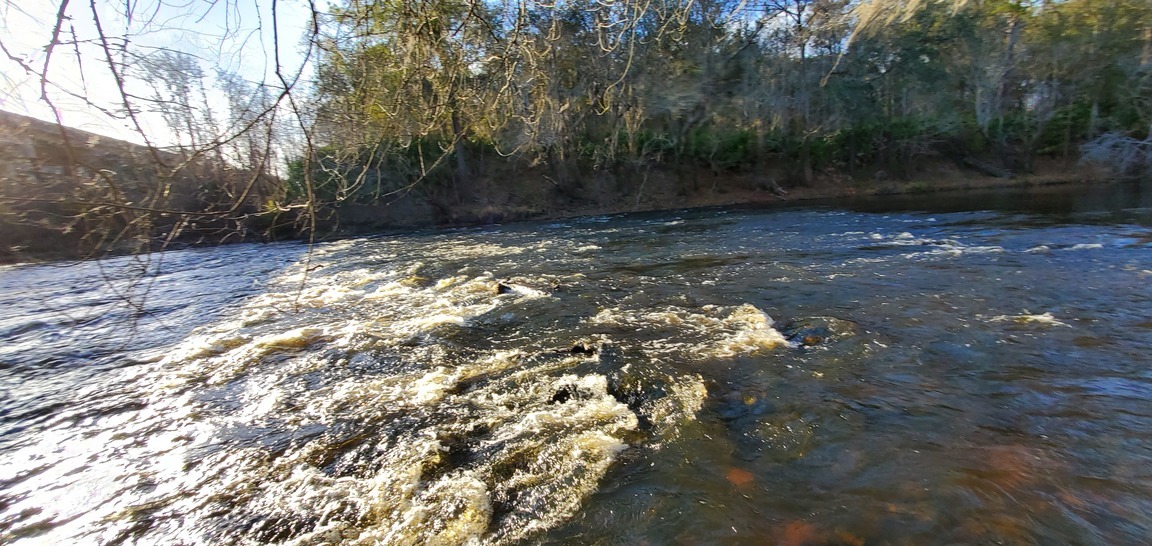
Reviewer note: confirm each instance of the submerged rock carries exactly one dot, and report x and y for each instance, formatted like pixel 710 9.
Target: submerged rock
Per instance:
pixel 579 387
pixel 585 347
pixel 739 477
pixel 741 404
pixel 808 332
pixel 510 287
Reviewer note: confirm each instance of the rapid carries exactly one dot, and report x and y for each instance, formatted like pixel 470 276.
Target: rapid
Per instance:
pixel 822 375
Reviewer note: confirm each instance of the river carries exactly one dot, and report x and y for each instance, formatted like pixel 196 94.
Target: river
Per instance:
pixel 870 372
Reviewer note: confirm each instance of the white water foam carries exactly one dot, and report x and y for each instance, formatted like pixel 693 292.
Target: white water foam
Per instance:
pixel 709 331
pixel 1027 318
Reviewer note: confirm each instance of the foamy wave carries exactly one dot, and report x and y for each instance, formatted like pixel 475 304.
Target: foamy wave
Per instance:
pixel 413 481
pixel 669 413
pixel 948 250
pixel 391 440
pixel 753 332
pixel 710 331
pixel 938 247
pixel 459 249
pixel 1026 318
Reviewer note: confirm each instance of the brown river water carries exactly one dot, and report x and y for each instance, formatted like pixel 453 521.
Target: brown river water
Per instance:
pixel 972 369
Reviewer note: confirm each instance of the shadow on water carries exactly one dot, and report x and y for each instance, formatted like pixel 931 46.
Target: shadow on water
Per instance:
pixel 1109 202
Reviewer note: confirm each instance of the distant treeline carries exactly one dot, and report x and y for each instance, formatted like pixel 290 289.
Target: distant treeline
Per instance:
pixel 473 104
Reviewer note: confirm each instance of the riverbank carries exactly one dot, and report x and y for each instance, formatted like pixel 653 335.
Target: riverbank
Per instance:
pixel 654 189
pixel 663 190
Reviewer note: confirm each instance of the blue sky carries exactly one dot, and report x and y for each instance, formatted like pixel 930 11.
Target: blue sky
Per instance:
pixel 233 35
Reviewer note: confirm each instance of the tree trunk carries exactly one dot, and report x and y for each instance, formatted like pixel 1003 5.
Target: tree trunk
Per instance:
pixel 463 176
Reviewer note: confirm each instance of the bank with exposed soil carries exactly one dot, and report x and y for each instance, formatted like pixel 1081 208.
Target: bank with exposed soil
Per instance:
pixel 664 188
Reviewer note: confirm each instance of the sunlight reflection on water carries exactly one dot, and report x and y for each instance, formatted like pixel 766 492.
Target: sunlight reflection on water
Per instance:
pixel 797 376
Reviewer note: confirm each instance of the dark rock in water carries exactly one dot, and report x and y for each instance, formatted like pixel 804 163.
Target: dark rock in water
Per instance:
pixel 592 346
pixel 814 336
pixel 816 330
pixel 562 395
pixel 460 449
pixel 740 404
pixel 808 334
pixel 584 348
pixel 633 390
pixel 520 286
pixel 571 391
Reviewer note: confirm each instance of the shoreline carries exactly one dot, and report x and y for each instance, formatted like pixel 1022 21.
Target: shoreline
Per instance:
pixel 829 190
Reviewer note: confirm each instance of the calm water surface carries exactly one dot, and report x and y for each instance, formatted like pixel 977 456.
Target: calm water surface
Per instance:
pixel 905 373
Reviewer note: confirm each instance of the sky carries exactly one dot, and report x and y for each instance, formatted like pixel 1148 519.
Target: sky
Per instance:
pixel 233 35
